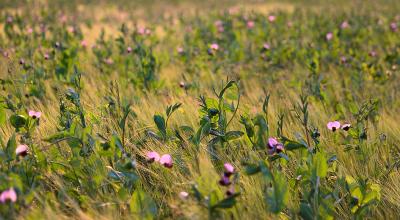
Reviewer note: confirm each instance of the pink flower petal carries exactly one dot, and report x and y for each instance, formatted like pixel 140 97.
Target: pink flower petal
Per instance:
pixel 21 150
pixel 229 169
pixel 224 181
pixel 279 148
pixel 271 18
pixel 34 114
pixel 333 125
pixel 250 24
pixel 214 46
pixel 152 156
pixel 329 36
pixel 166 160
pixel 272 142
pixel 183 195
pixel 9 194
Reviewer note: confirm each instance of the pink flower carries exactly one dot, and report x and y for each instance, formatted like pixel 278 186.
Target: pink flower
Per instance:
pixel 346 127
pixel 42 28
pixel 272 142
pixel 46 56
pixel 279 148
pixel 34 114
pixel 84 43
pixel 329 36
pixel 183 195
pixel 214 46
pixel 29 30
pixel 250 24
pixel 344 25
pixel 152 156
pixel 266 46
pixel 166 160
pixel 271 18
pixel 71 29
pixel 143 31
pixel 180 50
pixel 372 53
pixel 343 59
pixel 129 49
pixel 22 150
pixel 63 19
pixel 274 146
pixel 233 10
pixel 224 181
pixel 393 26
pixel 9 194
pixel 9 19
pixel 109 61
pixel 333 125
pixel 218 23
pixel 229 169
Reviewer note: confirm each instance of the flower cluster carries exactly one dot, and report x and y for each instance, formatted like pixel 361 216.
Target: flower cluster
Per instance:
pixel 335 125
pixel 165 160
pixel 274 146
pixel 226 178
pixel 34 114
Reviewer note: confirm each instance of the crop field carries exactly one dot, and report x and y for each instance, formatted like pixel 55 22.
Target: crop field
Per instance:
pixel 199 109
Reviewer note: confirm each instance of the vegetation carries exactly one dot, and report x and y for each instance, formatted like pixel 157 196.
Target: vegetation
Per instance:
pixel 189 110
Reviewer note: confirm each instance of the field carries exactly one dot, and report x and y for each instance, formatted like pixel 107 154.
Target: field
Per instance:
pixel 199 109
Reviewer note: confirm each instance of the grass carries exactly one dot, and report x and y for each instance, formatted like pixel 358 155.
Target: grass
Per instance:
pixel 57 181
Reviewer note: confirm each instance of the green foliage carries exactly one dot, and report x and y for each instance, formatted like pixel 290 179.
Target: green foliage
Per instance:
pixel 282 75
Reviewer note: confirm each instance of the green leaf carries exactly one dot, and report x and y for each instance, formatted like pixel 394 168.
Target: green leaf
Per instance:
pixel 171 109
pixel 57 136
pixel 11 147
pixel 143 205
pixel 249 126
pixel 17 121
pixel 228 85
pixel 197 193
pixel 232 135
pixel 284 156
pixel 305 211
pixel 160 122
pixel 3 116
pixel 203 131
pixel 125 116
pixel 228 202
pixel 116 143
pixel 320 165
pixel 278 195
pixel 293 145
pixel 265 171
pixel 252 169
